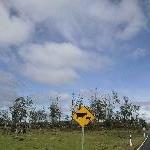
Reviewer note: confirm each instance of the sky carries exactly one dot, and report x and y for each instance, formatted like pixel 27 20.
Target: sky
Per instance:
pixel 58 47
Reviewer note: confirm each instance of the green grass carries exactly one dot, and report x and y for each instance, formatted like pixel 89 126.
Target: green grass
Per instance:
pixel 61 140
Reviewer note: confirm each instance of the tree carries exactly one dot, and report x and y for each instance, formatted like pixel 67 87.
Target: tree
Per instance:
pixel 42 115
pixel 67 118
pixel 142 122
pixel 4 117
pixel 126 109
pixel 33 116
pixel 19 110
pixel 98 106
pixel 55 112
pixel 136 111
pixel 129 112
pixel 78 102
pixel 37 116
pixel 72 107
pixel 111 101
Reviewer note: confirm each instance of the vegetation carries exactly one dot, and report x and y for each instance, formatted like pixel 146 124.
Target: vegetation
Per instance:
pixel 47 130
pixel 110 111
pixel 62 140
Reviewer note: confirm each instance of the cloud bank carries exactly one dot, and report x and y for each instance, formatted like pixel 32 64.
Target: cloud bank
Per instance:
pixel 54 41
pixel 54 63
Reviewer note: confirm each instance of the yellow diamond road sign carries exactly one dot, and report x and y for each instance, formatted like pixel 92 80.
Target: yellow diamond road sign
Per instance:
pixel 83 116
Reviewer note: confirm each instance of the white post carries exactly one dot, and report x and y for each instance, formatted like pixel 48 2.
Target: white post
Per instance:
pixel 144 135
pixel 131 140
pixel 83 138
pixel 144 130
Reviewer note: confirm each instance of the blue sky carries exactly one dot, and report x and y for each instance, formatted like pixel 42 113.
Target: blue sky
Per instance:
pixel 58 47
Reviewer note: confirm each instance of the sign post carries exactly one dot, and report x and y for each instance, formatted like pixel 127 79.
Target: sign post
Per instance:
pixel 82 138
pixel 83 117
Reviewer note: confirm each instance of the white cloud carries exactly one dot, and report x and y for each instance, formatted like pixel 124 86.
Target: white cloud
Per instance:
pixel 13 29
pixel 38 10
pixel 55 63
pixel 101 23
pixel 124 19
pixel 140 52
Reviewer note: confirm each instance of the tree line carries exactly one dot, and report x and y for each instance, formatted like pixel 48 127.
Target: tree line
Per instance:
pixel 110 111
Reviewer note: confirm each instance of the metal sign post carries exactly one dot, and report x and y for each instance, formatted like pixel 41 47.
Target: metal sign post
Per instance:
pixel 83 117
pixel 83 138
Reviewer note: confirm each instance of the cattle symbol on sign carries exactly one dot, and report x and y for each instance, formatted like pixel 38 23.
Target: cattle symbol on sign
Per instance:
pixel 83 116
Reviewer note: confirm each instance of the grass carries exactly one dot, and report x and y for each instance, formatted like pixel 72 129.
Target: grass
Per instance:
pixel 63 140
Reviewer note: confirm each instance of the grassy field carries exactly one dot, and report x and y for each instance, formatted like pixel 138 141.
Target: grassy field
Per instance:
pixel 61 140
